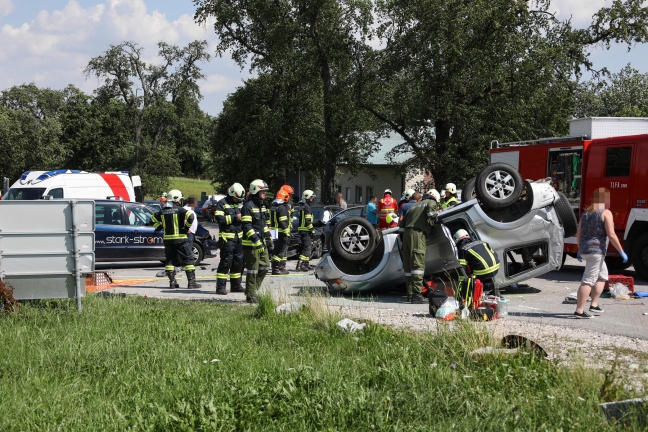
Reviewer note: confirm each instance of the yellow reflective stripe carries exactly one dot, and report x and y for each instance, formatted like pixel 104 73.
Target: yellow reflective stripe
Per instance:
pixel 247 242
pixel 190 267
pixel 246 218
pixel 219 213
pixel 221 275
pixel 169 267
pixel 235 275
pixel 228 220
pixel 255 210
pixel 226 235
pixel 463 262
pixel 174 236
pixel 250 233
pixel 487 268
pixel 304 258
pixel 283 218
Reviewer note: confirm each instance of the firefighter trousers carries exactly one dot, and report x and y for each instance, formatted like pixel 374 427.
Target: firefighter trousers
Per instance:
pixel 230 265
pixel 280 254
pixel 257 264
pixel 306 251
pixel 414 259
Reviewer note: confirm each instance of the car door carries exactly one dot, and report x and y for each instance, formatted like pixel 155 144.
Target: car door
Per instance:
pixel 144 243
pixel 111 235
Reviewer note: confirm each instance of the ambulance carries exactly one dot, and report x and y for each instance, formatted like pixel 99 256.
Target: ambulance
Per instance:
pixel 610 152
pixel 66 183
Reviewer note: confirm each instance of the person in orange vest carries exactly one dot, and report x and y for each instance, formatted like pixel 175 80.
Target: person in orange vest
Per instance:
pixel 387 206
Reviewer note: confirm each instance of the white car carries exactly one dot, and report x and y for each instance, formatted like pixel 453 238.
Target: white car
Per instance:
pixel 524 222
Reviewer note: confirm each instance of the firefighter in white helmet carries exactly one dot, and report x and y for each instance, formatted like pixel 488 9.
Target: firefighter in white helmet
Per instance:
pixel 230 239
pixel 256 239
pixel 450 196
pixel 175 221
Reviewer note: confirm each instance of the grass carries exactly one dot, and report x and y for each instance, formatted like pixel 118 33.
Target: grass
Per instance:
pixel 146 364
pixel 191 187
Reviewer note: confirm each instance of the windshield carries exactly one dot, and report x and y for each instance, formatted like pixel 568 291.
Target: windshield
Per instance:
pixel 24 194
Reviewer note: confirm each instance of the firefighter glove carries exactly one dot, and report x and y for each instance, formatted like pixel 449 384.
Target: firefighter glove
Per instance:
pixel 269 243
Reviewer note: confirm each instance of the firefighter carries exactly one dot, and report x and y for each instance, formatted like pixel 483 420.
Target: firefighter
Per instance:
pixel 417 225
pixel 228 216
pixel 450 196
pixel 256 239
pixel 479 259
pixel 386 207
pixel 176 221
pixel 412 198
pixel 306 230
pixel 280 221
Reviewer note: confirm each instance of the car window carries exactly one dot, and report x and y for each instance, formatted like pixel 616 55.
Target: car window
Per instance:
pixel 108 214
pixel 56 193
pixel 138 215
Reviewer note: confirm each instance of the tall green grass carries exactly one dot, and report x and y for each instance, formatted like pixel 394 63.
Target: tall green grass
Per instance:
pixel 145 364
pixel 191 187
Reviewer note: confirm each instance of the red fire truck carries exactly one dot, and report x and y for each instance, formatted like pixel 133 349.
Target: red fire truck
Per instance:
pixel 600 152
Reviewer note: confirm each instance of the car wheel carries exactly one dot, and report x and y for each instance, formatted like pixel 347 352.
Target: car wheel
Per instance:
pixel 198 252
pixel 468 191
pixel 317 248
pixel 640 256
pixel 354 239
pixel 566 215
pixel 498 185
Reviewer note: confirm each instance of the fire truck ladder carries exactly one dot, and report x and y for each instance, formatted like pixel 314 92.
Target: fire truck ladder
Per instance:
pixel 554 140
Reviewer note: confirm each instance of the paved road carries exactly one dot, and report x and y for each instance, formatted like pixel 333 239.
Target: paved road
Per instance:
pixel 542 302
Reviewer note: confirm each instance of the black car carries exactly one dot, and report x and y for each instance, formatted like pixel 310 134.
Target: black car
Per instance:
pixel 124 232
pixel 321 214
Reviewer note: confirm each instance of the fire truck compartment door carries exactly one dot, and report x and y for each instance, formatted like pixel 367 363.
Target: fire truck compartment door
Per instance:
pixel 512 158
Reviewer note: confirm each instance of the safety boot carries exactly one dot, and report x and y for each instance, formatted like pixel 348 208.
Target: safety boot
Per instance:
pixel 191 276
pixel 305 267
pixel 283 268
pixel 298 265
pixel 173 283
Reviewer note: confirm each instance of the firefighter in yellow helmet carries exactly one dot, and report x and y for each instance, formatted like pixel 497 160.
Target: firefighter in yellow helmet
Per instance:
pixel 175 221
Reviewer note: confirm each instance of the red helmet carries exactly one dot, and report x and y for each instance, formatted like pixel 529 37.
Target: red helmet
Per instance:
pixel 288 189
pixel 282 195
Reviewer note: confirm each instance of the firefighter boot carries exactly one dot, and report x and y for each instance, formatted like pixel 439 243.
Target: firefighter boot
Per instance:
pixel 277 269
pixel 173 283
pixel 191 276
pixel 304 266
pixel 220 287
pixel 298 265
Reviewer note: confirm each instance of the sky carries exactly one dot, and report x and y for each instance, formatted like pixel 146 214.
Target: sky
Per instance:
pixel 49 42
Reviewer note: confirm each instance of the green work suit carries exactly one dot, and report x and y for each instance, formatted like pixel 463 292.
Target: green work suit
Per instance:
pixel 416 225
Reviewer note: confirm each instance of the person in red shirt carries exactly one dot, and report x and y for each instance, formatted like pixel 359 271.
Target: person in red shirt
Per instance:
pixel 387 205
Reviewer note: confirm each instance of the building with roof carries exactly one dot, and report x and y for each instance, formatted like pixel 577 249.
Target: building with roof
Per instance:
pixel 382 171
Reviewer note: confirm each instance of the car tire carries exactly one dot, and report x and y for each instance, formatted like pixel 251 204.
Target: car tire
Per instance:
pixel 498 186
pixel 566 215
pixel 354 239
pixel 468 191
pixel 640 256
pixel 318 248
pixel 198 252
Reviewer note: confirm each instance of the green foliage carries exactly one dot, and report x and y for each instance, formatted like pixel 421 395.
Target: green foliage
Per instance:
pixel 624 94
pixel 131 364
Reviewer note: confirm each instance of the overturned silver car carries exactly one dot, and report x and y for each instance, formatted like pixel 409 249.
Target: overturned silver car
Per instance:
pixel 524 222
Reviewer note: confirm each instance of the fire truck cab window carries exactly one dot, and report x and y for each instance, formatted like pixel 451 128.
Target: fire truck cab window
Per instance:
pixel 618 162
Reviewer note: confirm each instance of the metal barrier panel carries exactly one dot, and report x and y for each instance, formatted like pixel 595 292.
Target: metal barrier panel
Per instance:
pixel 45 246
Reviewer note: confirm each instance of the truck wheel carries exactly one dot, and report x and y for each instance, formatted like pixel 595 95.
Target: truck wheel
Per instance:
pixel 498 185
pixel 198 252
pixel 566 215
pixel 468 191
pixel 616 264
pixel 640 256
pixel 354 238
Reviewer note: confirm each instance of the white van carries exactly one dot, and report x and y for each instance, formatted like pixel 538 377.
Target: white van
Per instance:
pixel 64 183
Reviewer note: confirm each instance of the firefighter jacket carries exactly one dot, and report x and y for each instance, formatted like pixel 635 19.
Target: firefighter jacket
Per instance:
pixel 478 257
pixel 227 212
pixel 450 202
pixel 386 206
pixel 279 213
pixel 305 217
pixel 421 216
pixel 253 217
pixel 175 222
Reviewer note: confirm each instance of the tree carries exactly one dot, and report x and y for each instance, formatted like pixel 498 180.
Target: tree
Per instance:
pixel 624 94
pixel 30 129
pixel 452 75
pixel 307 41
pixel 152 96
